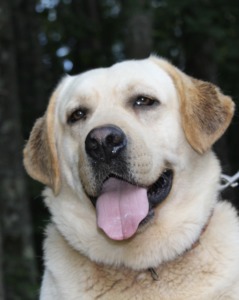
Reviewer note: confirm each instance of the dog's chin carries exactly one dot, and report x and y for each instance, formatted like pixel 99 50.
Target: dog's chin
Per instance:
pixel 157 192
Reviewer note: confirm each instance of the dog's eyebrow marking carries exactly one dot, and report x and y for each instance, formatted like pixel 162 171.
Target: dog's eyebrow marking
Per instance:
pixel 78 102
pixel 137 88
pixel 78 99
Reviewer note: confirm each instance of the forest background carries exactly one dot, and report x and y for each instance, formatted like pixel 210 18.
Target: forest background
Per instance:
pixel 42 40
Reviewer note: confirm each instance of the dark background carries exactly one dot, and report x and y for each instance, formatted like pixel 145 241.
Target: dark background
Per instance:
pixel 42 40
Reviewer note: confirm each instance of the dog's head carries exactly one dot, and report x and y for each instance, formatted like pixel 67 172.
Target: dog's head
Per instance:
pixel 121 138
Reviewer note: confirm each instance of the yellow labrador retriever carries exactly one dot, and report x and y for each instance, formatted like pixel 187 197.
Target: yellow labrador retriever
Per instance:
pixel 133 187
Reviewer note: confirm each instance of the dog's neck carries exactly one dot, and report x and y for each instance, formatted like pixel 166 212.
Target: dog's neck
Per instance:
pixel 153 271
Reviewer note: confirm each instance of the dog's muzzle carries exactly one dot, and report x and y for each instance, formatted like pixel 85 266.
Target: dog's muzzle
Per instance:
pixel 122 203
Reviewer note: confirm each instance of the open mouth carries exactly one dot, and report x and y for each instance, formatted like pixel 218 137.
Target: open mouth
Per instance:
pixel 158 191
pixel 122 207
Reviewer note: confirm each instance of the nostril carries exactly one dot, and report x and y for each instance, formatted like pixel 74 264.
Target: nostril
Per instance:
pixel 114 139
pixel 110 139
pixel 93 144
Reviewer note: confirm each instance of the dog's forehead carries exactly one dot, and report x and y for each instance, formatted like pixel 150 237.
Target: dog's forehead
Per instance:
pixel 135 76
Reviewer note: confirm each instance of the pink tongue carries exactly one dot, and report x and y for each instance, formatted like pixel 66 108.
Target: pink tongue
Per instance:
pixel 120 208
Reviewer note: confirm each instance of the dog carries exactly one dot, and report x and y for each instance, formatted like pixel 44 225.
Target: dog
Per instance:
pixel 133 186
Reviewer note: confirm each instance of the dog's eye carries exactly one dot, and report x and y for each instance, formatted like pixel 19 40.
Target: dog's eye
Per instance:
pixel 77 115
pixel 144 101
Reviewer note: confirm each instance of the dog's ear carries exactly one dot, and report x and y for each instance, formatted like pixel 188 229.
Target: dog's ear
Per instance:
pixel 206 113
pixel 40 153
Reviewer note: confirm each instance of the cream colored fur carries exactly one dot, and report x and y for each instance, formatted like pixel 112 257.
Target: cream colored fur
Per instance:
pixel 191 263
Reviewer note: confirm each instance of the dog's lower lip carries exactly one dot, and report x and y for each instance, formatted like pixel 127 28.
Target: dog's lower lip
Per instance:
pixel 158 192
pixel 149 216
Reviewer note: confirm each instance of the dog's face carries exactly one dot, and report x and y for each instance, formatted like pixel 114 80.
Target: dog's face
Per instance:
pixel 110 120
pixel 126 141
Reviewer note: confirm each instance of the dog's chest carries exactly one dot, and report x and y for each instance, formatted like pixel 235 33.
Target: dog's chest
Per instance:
pixel 92 281
pixel 73 276
pixel 173 282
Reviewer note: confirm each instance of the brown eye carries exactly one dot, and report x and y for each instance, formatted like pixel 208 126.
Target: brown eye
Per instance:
pixel 144 101
pixel 77 115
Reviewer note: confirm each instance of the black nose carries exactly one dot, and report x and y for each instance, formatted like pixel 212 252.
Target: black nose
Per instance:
pixel 105 143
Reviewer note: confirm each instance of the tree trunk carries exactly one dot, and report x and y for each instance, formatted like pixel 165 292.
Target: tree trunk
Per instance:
pixel 19 271
pixel 2 297
pixel 138 28
pixel 87 49
pixel 28 56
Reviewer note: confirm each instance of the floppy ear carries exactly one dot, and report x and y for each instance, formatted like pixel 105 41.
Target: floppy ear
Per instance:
pixel 40 152
pixel 206 112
